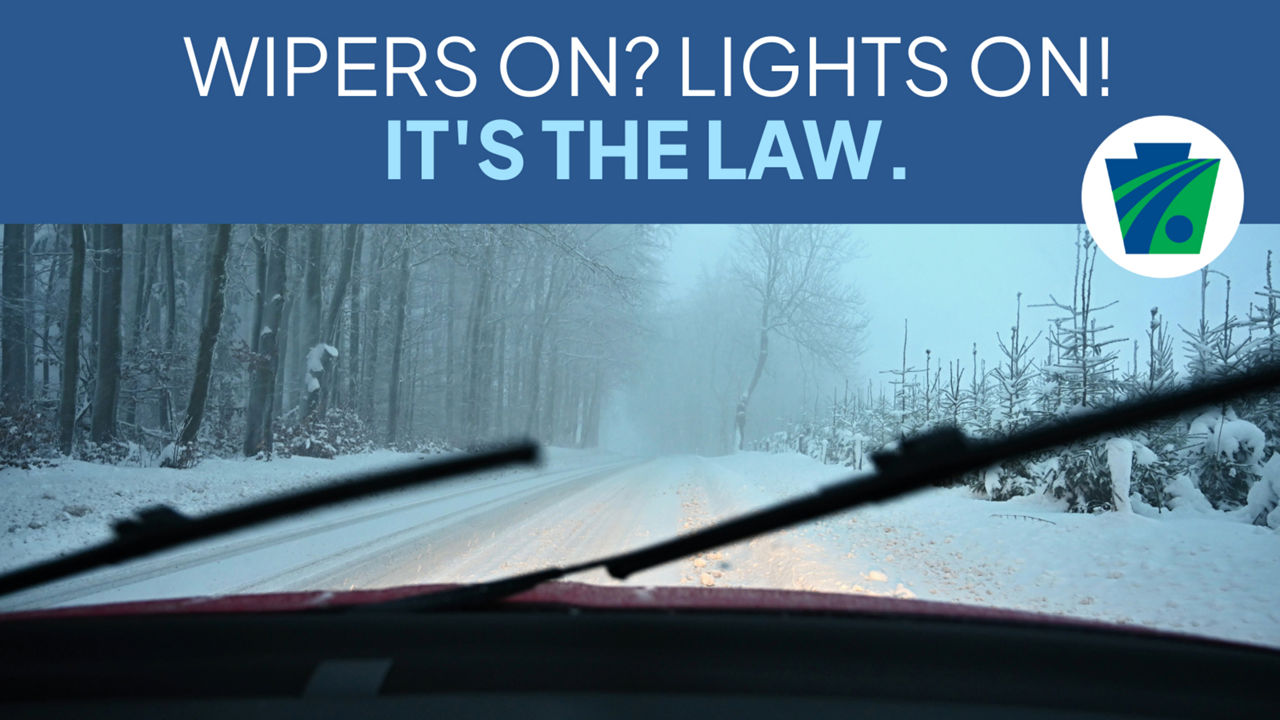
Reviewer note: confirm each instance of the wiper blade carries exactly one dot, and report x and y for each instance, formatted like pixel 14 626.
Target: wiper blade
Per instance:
pixel 921 462
pixel 161 528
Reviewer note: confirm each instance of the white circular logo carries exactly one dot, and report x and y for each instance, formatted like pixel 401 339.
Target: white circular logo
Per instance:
pixel 1162 196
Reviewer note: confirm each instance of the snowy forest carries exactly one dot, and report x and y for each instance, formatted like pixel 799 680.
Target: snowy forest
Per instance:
pixel 171 342
pixel 163 344
pixel 1225 458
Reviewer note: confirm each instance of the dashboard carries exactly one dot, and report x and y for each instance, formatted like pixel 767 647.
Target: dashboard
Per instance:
pixel 571 662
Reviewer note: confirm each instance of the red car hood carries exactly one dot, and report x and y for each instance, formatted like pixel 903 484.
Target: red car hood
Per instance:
pixel 581 595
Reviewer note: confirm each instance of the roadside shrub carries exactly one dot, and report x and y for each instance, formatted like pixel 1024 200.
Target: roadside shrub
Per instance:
pixel 111 452
pixel 28 436
pixel 1230 459
pixel 1005 481
pixel 180 456
pixel 1083 479
pixel 338 432
pixel 430 446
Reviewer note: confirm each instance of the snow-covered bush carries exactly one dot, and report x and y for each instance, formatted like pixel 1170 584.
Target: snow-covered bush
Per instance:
pixel 1184 495
pixel 432 446
pixel 27 436
pixel 1150 478
pixel 114 452
pixel 180 456
pixel 1230 458
pixel 338 432
pixel 1083 479
pixel 1005 481
pixel 1263 507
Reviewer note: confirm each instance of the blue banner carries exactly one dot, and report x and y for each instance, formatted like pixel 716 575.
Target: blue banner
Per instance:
pixel 932 112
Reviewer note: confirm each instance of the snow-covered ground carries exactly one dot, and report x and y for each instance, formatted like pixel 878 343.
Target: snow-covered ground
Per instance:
pixel 1185 572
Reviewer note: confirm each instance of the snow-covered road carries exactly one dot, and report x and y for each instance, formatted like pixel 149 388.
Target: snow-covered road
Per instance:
pixel 1205 575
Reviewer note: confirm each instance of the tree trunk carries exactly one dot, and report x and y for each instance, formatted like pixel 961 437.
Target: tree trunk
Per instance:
pixel 93 256
pixel 47 314
pixel 478 366
pixel 397 346
pixel 450 393
pixel 548 428
pixel 280 401
pixel 258 416
pixel 333 318
pixel 349 243
pixel 259 239
pixel 375 330
pixel 541 318
pixel 498 341
pixel 591 433
pixel 107 375
pixel 171 327
pixel 762 355
pixel 215 299
pixel 353 348
pixel 71 344
pixel 12 352
pixel 29 312
pixel 142 291
pixel 314 331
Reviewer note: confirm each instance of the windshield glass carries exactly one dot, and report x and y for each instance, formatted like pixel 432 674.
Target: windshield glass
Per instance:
pixel 676 375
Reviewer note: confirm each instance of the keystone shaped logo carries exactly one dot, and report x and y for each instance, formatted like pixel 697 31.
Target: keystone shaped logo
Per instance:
pixel 1162 198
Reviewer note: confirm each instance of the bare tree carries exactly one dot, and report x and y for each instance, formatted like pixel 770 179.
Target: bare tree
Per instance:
pixel 13 354
pixel 107 375
pixel 214 299
pixel 333 317
pixel 353 347
pixel 314 330
pixel 71 343
pixel 141 296
pixel 258 416
pixel 792 275
pixel 397 344
pixel 28 309
pixel 171 324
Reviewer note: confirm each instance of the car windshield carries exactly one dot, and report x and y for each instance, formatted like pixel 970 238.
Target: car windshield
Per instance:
pixel 675 375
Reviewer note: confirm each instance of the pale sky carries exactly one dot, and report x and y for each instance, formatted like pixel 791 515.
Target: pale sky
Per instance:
pixel 957 284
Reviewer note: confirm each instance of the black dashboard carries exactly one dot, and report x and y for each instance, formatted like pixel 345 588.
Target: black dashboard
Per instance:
pixel 558 662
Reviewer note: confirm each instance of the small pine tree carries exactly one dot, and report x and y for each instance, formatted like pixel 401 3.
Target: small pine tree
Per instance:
pixel 952 399
pixel 1230 457
pixel 1014 374
pixel 1084 369
pixel 1216 351
pixel 978 397
pixel 1080 373
pixel 1161 375
pixel 904 384
pixel 1083 478
pixel 1264 329
pixel 1164 439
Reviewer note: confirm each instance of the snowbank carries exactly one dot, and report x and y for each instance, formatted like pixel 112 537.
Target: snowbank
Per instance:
pixel 48 511
pixel 1191 571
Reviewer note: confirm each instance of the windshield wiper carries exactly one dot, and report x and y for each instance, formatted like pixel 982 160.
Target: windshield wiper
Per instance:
pixel 161 527
pixel 921 462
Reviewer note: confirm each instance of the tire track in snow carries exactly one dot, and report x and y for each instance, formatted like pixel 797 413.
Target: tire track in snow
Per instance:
pixel 627 509
pixel 799 558
pixel 442 552
pixel 210 555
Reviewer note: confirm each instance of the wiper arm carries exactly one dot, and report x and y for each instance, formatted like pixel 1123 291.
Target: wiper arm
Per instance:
pixel 161 527
pixel 921 462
